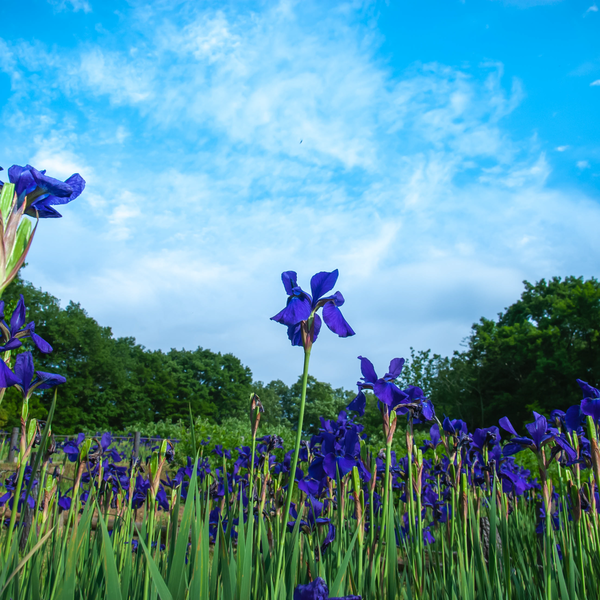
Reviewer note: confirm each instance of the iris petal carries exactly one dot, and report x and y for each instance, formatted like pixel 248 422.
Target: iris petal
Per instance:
pixel 358 404
pixel 507 425
pixel 289 279
pixel 591 408
pixel 335 321
pixel 368 370
pixel 323 282
pixel 395 369
pixel 297 310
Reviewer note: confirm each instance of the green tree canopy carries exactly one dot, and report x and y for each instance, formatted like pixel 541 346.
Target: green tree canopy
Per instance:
pixel 114 382
pixel 528 359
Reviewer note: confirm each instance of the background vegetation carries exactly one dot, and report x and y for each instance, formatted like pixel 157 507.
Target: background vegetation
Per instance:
pixel 526 359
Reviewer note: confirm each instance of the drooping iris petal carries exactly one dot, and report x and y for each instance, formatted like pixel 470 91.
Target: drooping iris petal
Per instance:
pixel 358 404
pixel 11 345
pixel 49 184
pixel 335 321
pixel 7 377
pixel 507 425
pixel 321 283
pixel 591 407
pixel 573 417
pixel 49 380
pixel 346 464
pixel 569 451
pixel 298 309
pixel 77 185
pixel 512 448
pixel 367 369
pixel 388 393
pixel 588 390
pixel 395 369
pixel 40 343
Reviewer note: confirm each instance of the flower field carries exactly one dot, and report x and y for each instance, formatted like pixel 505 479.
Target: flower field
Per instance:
pixel 454 517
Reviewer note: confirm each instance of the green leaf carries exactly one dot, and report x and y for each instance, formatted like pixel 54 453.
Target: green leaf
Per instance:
pixel 21 241
pixel 159 582
pixel 336 587
pixel 6 200
pixel 113 589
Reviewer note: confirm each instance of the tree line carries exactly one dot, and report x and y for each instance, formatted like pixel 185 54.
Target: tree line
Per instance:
pixel 526 359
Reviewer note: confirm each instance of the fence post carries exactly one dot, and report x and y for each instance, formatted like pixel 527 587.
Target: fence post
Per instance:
pixel 14 441
pixel 136 444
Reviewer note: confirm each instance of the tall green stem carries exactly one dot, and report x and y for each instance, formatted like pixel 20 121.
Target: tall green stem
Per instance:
pixel 15 506
pixel 292 475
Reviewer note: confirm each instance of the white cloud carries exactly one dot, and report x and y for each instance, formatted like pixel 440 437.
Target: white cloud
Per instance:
pixel 200 193
pixel 562 148
pixel 594 83
pixel 115 75
pixel 74 5
pixel 592 8
pixel 583 164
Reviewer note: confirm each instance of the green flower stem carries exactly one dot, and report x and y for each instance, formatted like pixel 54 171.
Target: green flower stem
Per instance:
pixel 291 478
pixel 386 483
pixel 13 513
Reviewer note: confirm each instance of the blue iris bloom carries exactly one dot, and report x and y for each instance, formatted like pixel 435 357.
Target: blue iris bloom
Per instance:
pixel 383 387
pixel 43 192
pixel 300 314
pixel 13 333
pixel 590 405
pixel 317 590
pixel 29 380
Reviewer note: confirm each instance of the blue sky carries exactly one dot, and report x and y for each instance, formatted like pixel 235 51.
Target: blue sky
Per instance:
pixel 449 151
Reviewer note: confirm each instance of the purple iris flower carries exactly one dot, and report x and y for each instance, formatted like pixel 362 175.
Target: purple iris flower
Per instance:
pixel 435 438
pixel 488 437
pixel 538 430
pixel 383 387
pixel 590 405
pixel 301 307
pixel 219 451
pixel 64 503
pixel 71 447
pixel 25 374
pixel 317 590
pixel 574 418
pixel 13 333
pixel 43 192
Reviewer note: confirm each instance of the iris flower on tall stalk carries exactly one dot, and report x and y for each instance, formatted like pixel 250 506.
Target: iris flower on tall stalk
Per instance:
pixel 303 327
pixel 29 192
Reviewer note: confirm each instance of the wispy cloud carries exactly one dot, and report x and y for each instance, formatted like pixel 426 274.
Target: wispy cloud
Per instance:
pixel 74 5
pixel 594 83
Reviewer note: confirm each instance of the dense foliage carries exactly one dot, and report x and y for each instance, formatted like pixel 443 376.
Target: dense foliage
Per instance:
pixel 527 359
